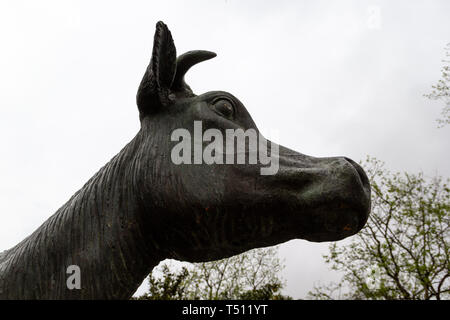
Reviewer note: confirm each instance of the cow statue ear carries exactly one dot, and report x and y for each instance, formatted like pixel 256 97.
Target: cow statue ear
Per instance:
pixel 154 90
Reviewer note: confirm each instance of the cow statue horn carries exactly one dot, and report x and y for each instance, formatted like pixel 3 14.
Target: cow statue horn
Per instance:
pixel 184 63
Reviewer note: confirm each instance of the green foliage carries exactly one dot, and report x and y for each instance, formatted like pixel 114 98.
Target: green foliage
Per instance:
pixel 441 90
pixel 403 251
pixel 252 275
pixel 267 292
pixel 172 286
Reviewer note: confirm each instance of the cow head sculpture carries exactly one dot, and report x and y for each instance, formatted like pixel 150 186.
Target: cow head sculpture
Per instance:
pixel 204 211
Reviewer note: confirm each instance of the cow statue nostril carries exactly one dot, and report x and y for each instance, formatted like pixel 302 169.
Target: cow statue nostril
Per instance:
pixel 362 175
pixel 363 196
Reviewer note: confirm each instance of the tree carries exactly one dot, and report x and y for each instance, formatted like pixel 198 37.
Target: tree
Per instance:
pixel 441 90
pixel 172 285
pixel 403 251
pixel 252 275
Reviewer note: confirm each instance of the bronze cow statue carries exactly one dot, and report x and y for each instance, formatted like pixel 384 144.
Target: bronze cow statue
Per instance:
pixel 142 208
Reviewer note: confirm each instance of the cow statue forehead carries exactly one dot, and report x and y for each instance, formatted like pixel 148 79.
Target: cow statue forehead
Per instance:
pixel 198 182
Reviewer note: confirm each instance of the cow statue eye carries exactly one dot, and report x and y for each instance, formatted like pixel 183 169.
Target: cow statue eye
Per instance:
pixel 224 107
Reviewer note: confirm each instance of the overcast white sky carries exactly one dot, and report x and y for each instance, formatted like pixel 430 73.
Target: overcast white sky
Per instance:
pixel 332 77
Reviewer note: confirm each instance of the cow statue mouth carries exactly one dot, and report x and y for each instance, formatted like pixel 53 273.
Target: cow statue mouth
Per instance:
pixel 325 199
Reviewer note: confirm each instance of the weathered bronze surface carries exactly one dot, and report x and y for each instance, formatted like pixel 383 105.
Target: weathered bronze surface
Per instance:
pixel 141 208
